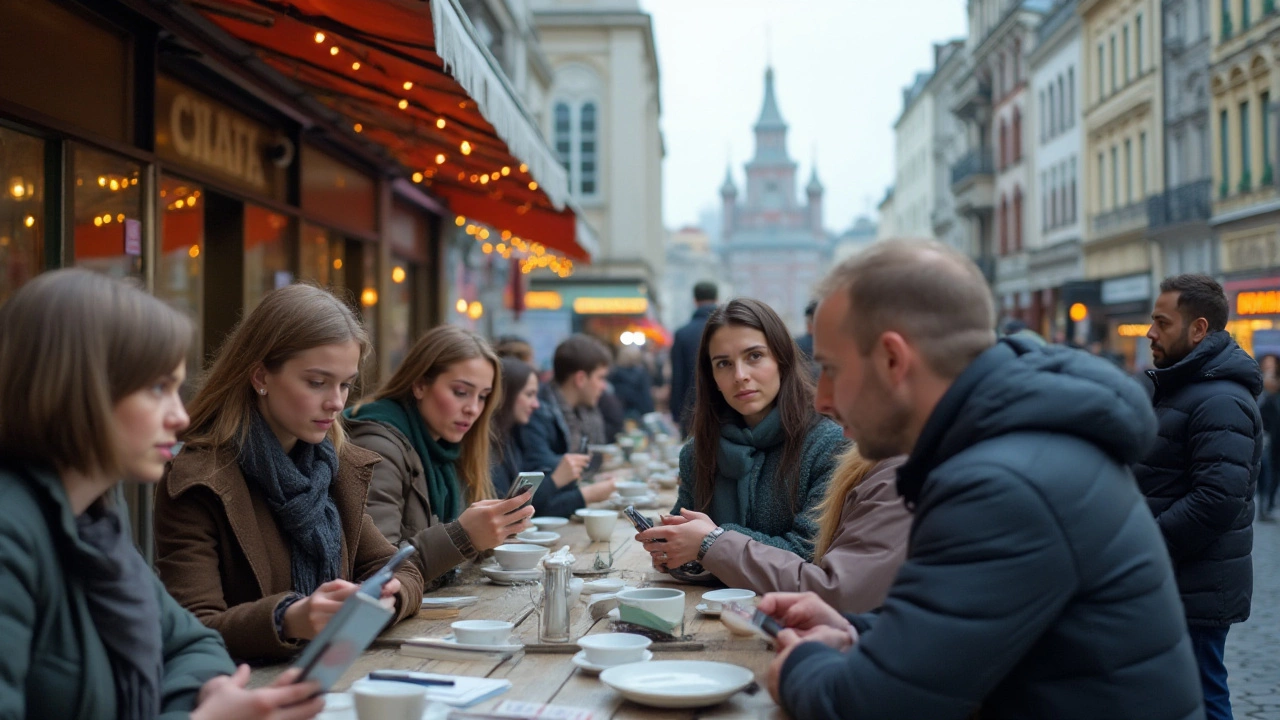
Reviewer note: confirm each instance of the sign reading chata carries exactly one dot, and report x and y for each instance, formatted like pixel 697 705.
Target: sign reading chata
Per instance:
pixel 193 130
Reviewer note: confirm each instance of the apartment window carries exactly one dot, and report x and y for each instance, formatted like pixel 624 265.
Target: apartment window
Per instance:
pixel 1226 19
pixel 1071 198
pixel 1044 132
pixel 1054 127
pixel 1062 106
pixel 1044 201
pixel 1142 160
pixel 1017 135
pixel 1102 174
pixel 1246 163
pixel 1137 39
pixel 1017 219
pixel 1102 68
pixel 1223 148
pixel 1244 14
pixel 587 157
pixel 1115 177
pixel 1124 46
pixel 1003 159
pixel 563 133
pixel 1071 96
pixel 1113 63
pixel 1264 112
pixel 1004 226
pixel 1128 172
pixel 575 131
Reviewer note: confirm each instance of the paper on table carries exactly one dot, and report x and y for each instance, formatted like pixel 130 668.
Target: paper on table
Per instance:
pixel 465 692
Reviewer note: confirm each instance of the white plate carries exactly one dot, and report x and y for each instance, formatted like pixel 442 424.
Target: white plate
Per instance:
pixel 540 538
pixel 543 523
pixel 677 683
pixel 508 577
pixel 588 667
pixel 450 602
pixel 452 641
pixel 702 608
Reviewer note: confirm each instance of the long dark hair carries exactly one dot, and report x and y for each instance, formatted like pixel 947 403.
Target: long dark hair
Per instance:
pixel 515 375
pixel 711 410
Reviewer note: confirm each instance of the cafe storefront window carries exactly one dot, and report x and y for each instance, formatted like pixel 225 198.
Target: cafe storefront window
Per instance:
pixel 267 253
pixel 107 212
pixel 179 278
pixel 321 257
pixel 1255 313
pixel 21 210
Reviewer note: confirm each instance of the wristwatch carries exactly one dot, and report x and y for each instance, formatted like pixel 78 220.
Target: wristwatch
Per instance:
pixel 708 541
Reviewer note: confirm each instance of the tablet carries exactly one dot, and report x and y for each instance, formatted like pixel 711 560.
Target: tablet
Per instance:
pixel 338 646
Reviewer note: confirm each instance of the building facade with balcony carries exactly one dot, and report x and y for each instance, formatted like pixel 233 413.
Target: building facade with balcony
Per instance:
pixel 914 185
pixel 1246 206
pixel 1054 232
pixel 1123 162
pixel 949 145
pixel 1178 217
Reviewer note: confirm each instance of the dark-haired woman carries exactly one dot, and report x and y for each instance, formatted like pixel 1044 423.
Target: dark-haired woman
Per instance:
pixel 559 495
pixel 760 456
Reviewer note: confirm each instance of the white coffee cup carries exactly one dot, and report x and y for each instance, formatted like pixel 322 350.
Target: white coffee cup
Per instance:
pixel 519 556
pixel 385 700
pixel 715 599
pixel 599 523
pixel 482 632
pixel 631 488
pixel 608 649
pixel 665 603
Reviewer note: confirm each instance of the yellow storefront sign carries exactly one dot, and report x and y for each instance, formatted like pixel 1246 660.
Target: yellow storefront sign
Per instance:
pixel 1260 302
pixel 610 305
pixel 543 300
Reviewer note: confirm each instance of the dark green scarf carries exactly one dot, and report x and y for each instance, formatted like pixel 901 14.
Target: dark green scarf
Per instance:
pixel 439 457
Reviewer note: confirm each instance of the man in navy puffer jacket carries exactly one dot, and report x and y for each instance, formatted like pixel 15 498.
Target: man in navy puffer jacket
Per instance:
pixel 1036 583
pixel 1199 477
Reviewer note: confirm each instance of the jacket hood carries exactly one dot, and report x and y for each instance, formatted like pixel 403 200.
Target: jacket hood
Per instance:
pixel 1217 357
pixel 1019 386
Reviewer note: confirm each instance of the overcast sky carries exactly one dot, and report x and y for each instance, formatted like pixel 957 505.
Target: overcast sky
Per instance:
pixel 839 70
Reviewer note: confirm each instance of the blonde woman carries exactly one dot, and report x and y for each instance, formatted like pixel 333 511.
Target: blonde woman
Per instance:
pixel 89 376
pixel 430 423
pixel 261 528
pixel 860 544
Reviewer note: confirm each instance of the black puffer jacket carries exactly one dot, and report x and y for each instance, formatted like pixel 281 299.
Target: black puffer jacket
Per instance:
pixel 1200 476
pixel 1036 583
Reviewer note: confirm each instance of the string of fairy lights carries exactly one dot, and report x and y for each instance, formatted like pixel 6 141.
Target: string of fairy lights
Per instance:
pixel 530 255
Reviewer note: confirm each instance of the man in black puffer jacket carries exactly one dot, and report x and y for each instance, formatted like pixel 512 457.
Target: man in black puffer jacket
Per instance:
pixel 1200 476
pixel 1036 583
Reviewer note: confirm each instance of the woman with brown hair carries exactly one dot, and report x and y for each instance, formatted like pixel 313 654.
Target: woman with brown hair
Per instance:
pixel 430 424
pixel 862 541
pixel 261 528
pixel 761 456
pixel 89 375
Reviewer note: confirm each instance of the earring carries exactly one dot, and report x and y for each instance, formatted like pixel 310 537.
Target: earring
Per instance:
pixel 262 391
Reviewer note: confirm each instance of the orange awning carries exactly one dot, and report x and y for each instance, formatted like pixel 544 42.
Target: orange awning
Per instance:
pixel 413 78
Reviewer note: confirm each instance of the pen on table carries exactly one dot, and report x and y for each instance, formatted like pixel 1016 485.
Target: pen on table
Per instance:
pixel 407 678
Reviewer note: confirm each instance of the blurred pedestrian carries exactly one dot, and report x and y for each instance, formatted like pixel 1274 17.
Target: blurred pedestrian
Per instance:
pixel 684 355
pixel 1269 408
pixel 1036 583
pixel 1199 479
pixel 632 383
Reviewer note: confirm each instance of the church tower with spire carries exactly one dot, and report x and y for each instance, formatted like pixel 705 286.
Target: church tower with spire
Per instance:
pixel 774 245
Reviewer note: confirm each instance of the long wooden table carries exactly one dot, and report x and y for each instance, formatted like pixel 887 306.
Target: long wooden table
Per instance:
pixel 552 677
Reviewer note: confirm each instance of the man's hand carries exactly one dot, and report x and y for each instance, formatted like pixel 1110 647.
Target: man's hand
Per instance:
pixel 788 640
pixel 802 611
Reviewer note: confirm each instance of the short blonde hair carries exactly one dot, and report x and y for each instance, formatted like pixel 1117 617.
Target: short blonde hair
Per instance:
pixel 72 344
pixel 288 321
pixel 433 354
pixel 931 294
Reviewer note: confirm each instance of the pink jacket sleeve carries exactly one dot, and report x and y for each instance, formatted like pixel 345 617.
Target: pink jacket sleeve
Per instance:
pixel 855 574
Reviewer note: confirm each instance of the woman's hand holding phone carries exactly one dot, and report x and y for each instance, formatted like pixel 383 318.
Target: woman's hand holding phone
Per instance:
pixel 305 619
pixel 490 522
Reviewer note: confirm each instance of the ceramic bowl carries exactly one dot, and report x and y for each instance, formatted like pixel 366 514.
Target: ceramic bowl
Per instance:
pixel 714 599
pixel 608 649
pixel 519 556
pixel 482 632
pixel 628 489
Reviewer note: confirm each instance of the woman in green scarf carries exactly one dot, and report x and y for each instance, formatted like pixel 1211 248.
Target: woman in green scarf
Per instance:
pixel 430 424
pixel 761 456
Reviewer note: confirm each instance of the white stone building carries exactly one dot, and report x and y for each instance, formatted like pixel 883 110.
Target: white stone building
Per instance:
pixel 914 186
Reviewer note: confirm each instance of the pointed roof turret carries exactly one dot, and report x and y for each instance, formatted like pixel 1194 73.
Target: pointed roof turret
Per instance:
pixel 728 187
pixel 815 186
pixel 770 117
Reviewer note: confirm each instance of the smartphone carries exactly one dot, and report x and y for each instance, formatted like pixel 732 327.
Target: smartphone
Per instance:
pixel 525 481
pixel 373 585
pixel 639 521
pixel 593 465
pixel 584 446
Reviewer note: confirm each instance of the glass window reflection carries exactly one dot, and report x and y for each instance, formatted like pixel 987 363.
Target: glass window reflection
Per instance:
pixel 21 210
pixel 107 213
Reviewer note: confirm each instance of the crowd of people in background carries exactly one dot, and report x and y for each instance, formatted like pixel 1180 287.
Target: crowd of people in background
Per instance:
pixel 948 516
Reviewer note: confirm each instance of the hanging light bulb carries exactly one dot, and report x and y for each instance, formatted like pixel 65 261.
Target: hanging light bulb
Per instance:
pixel 533 185
pixel 355 65
pixel 319 38
pixel 465 147
pixel 417 177
pixel 506 171
pixel 358 127
pixel 440 123
pixel 460 221
pixel 333 50
pixel 440 158
pixel 404 104
pixel 408 85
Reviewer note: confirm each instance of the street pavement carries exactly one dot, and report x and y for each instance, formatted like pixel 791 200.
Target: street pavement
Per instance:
pixel 1253 647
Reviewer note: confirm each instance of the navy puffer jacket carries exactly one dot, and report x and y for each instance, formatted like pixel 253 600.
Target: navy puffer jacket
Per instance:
pixel 1036 583
pixel 1199 477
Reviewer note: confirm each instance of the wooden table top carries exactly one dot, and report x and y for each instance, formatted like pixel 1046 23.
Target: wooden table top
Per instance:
pixel 552 677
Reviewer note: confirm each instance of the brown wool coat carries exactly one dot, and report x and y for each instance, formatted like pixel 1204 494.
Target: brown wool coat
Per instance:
pixel 860 565
pixel 399 503
pixel 222 556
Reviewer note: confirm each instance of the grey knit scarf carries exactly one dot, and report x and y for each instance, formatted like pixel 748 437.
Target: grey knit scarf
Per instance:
pixel 296 486
pixel 121 591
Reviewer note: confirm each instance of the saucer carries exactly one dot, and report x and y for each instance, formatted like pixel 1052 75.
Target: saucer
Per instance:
pixel 648 501
pixel 588 667
pixel 702 608
pixel 677 683
pixel 452 641
pixel 538 537
pixel 548 522
pixel 499 576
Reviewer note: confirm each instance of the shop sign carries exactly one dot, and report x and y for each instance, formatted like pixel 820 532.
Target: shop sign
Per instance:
pixel 1126 289
pixel 1257 302
pixel 543 300
pixel 1132 330
pixel 611 305
pixel 196 131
